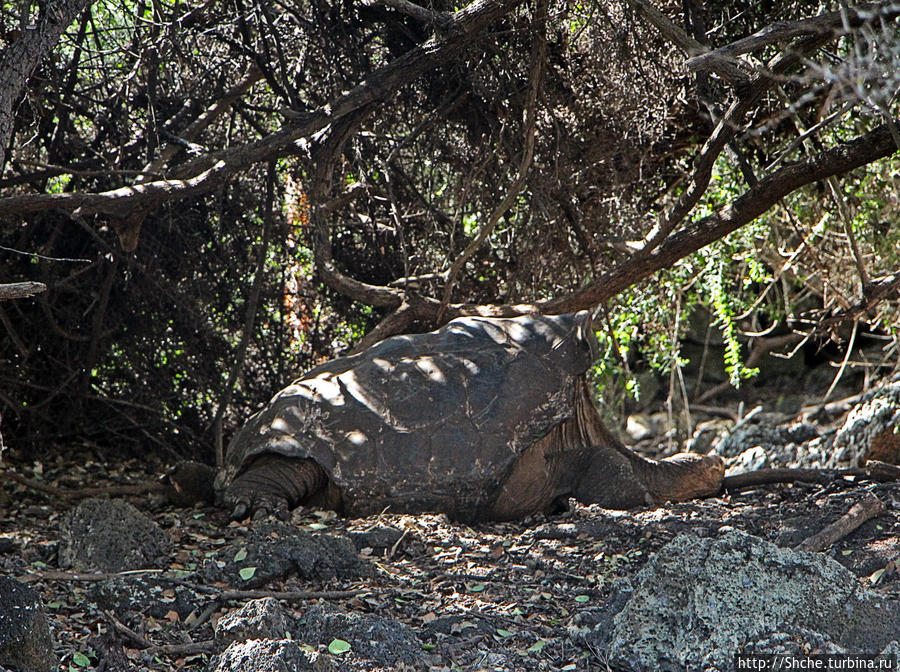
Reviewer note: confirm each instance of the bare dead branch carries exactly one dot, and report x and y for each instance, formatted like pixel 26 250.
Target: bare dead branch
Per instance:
pixel 873 293
pixel 131 204
pixel 325 157
pixel 875 145
pixel 868 507
pixel 831 23
pixel 21 290
pixel 209 115
pixel 677 36
pixel 81 493
pixel 749 95
pixel 880 472
pixel 538 56
pixel 415 11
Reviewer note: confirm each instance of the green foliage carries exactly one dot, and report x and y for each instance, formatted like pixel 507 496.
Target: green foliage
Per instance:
pixel 722 304
pixel 338 647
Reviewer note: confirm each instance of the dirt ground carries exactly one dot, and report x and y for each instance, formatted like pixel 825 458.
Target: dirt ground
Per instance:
pixel 511 596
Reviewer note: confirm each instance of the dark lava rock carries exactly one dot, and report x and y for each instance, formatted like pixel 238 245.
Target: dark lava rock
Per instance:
pixel 136 597
pixel 111 536
pixel 375 642
pixel 25 643
pixel 269 655
pixel 278 550
pixel 257 619
pixel 699 601
pixel 379 539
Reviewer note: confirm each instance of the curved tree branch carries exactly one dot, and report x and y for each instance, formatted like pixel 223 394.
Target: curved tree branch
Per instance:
pixel 204 174
pixel 875 145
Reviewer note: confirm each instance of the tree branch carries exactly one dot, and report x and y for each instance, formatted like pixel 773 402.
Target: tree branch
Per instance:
pixel 868 507
pixel 724 132
pixel 831 23
pixel 875 145
pixel 677 36
pixel 538 55
pixel 21 290
pixel 417 12
pixel 19 59
pixel 204 174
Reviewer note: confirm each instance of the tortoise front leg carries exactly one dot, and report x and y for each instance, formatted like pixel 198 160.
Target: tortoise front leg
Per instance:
pixel 273 483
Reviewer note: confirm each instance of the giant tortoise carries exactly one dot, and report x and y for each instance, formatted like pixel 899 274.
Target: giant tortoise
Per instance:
pixel 481 419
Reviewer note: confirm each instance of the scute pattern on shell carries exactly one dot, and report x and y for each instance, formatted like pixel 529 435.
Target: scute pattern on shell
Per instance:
pixel 435 420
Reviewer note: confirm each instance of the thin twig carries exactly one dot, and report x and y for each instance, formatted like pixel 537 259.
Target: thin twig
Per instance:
pixel 250 319
pixel 21 290
pixel 868 507
pixel 81 493
pixel 538 57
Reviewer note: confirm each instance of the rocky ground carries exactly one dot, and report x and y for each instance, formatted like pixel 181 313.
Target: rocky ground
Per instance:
pixel 161 587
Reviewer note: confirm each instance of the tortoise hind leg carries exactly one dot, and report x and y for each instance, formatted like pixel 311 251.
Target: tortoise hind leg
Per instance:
pixel 274 483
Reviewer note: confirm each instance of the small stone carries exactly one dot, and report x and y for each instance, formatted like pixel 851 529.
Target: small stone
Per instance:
pixel 25 643
pixel 269 655
pixel 257 619
pixel 375 641
pixel 278 550
pixel 111 536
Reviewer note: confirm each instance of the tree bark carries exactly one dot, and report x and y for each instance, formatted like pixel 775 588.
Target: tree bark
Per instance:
pixel 21 290
pixel 20 59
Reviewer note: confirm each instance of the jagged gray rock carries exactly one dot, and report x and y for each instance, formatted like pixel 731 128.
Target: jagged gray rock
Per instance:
pixel 269 655
pixel 257 619
pixel 111 536
pixel 871 429
pixel 146 595
pixel 698 601
pixel 375 642
pixel 25 643
pixel 278 550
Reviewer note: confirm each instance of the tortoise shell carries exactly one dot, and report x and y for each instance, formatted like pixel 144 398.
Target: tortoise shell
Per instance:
pixel 434 421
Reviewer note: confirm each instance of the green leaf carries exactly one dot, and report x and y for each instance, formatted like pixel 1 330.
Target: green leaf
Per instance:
pixel 338 646
pixel 240 555
pixel 80 659
pixel 504 633
pixel 582 598
pixel 537 646
pixel 477 588
pixel 428 647
pixel 247 573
